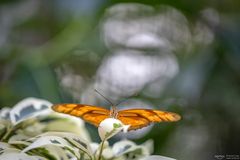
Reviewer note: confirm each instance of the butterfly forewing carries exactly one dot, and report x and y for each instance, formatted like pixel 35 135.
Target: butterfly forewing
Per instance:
pixel 138 118
pixel 91 114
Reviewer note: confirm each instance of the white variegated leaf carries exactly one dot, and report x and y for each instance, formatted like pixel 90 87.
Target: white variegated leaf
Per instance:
pixel 128 147
pixel 5 113
pixel 107 153
pixel 19 156
pixel 19 139
pixel 9 150
pixel 4 145
pixel 107 150
pixel 54 144
pixel 68 124
pixel 6 148
pixel 28 108
pixel 149 145
pixel 155 157
pixel 122 147
pixel 74 140
pixel 58 153
pixel 29 128
pixel 94 147
pixel 47 140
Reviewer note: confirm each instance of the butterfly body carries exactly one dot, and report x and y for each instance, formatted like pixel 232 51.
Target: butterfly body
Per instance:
pixel 113 112
pixel 136 118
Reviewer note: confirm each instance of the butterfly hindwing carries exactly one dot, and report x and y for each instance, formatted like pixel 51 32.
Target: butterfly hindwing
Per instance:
pixel 134 122
pixel 91 114
pixel 138 118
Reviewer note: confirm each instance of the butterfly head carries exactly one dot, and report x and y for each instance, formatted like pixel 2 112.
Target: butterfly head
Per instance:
pixel 113 111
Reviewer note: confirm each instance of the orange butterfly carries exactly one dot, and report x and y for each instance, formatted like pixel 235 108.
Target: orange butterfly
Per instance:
pixel 136 118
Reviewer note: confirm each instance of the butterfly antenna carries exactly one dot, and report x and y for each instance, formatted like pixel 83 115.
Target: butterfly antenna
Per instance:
pixel 126 99
pixel 104 97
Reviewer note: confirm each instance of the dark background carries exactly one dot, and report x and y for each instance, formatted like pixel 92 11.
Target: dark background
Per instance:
pixel 182 56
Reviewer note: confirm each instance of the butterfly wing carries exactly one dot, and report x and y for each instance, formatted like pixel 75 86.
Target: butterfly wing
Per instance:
pixel 139 118
pixel 91 114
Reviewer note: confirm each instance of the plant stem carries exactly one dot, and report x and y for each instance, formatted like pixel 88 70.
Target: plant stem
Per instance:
pixel 6 136
pixel 101 150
